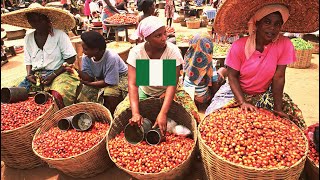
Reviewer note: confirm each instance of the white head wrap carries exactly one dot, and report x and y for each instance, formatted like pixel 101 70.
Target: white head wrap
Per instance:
pixel 148 25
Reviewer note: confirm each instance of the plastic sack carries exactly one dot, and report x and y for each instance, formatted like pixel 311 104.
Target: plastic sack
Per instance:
pixel 179 130
pixel 170 125
pixel 175 16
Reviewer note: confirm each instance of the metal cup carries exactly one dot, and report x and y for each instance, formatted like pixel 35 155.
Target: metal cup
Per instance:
pixel 41 97
pixel 65 123
pixel 135 134
pixel 82 121
pixel 13 94
pixel 154 137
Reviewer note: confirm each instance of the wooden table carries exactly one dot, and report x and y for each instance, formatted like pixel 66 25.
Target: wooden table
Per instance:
pixel 117 26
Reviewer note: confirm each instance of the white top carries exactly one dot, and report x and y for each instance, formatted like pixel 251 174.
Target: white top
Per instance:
pixel 94 7
pixel 56 49
pixel 138 52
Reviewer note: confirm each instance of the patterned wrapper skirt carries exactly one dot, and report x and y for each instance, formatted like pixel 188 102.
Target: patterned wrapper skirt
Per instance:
pixel 181 97
pixel 224 98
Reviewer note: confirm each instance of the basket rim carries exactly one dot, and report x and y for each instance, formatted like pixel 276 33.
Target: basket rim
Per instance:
pixel 71 157
pixel 36 120
pixel 253 168
pixel 161 172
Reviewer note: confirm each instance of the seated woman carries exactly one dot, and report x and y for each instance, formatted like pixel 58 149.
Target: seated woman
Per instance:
pixel 199 71
pixel 103 72
pixel 152 29
pixel 256 67
pixel 46 49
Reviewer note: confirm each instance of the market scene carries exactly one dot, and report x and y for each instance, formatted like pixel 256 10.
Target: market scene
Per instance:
pixel 159 89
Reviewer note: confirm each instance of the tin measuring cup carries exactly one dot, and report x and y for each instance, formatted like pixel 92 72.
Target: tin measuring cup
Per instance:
pixel 64 124
pixel 41 97
pixel 82 121
pixel 135 134
pixel 154 137
pixel 13 94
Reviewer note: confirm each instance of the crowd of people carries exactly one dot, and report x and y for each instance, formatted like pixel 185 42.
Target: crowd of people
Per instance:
pixel 105 78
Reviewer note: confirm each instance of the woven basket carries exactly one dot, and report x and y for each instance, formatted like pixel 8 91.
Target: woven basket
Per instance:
pixel 303 59
pixel 16 149
pixel 16 34
pixel 315 49
pixel 311 169
pixel 88 163
pixel 150 108
pixel 195 24
pixel 218 168
pixel 183 23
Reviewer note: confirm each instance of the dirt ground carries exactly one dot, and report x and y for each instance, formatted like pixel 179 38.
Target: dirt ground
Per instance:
pixel 301 84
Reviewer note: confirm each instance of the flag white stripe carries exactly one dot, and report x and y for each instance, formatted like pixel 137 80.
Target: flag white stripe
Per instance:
pixel 156 72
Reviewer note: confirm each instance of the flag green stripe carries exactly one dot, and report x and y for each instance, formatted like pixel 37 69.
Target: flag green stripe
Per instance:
pixel 142 72
pixel 169 72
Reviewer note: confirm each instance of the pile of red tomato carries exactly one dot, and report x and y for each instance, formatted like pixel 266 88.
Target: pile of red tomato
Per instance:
pixel 15 115
pixel 122 19
pixel 312 154
pixel 143 158
pixel 56 143
pixel 255 139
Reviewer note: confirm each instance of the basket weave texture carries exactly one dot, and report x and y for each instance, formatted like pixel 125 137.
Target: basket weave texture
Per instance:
pixel 218 168
pixel 311 169
pixel 90 162
pixel 150 108
pixel 16 149
pixel 315 49
pixel 303 59
pixel 195 24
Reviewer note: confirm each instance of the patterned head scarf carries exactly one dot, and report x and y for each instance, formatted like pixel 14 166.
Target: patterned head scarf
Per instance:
pixel 250 46
pixel 198 60
pixel 148 25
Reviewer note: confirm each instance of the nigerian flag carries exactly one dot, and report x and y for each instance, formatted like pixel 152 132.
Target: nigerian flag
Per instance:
pixel 156 72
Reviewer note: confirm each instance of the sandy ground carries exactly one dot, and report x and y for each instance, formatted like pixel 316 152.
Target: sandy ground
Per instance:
pixel 301 84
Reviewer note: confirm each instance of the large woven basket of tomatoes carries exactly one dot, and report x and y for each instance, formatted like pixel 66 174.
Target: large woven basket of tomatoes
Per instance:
pixel 312 163
pixel 235 144
pixel 19 122
pixel 170 159
pixel 79 154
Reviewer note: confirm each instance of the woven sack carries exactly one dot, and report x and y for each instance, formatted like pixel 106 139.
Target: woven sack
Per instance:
pixel 150 108
pixel 89 163
pixel 16 149
pixel 218 168
pixel 303 59
pixel 311 169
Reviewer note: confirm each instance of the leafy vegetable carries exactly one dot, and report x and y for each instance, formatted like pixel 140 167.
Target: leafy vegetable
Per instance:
pixel 301 44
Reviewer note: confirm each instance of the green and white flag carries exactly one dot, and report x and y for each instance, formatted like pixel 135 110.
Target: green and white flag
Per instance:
pixel 155 72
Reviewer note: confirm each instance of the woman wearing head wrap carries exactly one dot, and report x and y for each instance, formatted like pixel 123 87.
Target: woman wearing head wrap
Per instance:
pixel 46 49
pixel 155 47
pixel 199 69
pixel 256 67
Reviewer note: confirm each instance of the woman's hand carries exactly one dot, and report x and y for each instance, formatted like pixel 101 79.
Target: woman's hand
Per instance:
pixel 161 121
pixel 32 78
pixel 281 114
pixel 136 118
pixel 247 106
pixel 48 80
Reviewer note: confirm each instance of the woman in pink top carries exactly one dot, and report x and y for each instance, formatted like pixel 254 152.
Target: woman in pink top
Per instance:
pixel 256 67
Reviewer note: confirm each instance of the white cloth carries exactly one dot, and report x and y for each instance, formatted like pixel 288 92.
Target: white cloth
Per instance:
pixel 138 52
pixel 149 25
pixel 56 49
pixel 94 7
